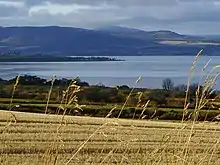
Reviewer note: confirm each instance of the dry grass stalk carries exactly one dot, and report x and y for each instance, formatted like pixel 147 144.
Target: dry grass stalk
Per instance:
pixel 12 97
pixel 53 79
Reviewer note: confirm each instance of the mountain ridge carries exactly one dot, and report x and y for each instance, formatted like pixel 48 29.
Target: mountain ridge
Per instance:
pixel 57 40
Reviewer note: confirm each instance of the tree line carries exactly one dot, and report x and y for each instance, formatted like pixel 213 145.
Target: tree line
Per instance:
pixel 33 87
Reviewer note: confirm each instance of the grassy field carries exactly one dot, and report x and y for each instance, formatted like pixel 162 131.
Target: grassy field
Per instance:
pixel 49 139
pixel 103 110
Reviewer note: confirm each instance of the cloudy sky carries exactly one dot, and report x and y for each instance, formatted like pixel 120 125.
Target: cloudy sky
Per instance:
pixel 183 16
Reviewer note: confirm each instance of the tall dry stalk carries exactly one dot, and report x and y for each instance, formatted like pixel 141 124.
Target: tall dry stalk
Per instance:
pixel 128 97
pixel 12 97
pixel 53 79
pixel 191 74
pixel 201 100
pixel 69 101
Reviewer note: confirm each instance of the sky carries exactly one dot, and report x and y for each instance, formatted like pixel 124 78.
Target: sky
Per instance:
pixel 182 16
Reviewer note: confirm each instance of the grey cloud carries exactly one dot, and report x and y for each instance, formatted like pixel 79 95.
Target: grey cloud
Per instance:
pixel 11 11
pixel 177 15
pixel 6 11
pixel 108 2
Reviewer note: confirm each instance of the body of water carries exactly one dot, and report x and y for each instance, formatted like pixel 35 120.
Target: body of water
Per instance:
pixel 152 69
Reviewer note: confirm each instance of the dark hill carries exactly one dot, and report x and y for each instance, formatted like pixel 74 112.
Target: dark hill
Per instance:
pixel 112 41
pixel 64 40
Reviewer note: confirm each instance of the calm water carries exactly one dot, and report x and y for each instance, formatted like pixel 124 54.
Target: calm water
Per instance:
pixel 152 69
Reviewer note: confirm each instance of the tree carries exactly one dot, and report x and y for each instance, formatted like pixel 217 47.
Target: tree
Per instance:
pixel 180 91
pixel 167 84
pixel 181 88
pixel 195 90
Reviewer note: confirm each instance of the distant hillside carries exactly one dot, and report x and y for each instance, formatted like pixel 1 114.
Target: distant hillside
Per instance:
pixel 63 40
pixel 140 34
pixel 110 41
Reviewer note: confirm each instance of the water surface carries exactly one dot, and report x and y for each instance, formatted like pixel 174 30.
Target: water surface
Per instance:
pixel 153 70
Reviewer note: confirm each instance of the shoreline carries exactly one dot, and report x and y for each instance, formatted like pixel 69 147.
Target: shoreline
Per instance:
pixel 55 59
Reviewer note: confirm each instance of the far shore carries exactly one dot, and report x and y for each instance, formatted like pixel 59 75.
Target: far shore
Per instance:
pixel 36 58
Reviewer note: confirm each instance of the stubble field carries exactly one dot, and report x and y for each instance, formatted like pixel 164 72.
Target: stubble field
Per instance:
pixel 27 138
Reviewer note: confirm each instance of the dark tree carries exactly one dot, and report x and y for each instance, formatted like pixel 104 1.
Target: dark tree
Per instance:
pixel 181 88
pixel 180 91
pixel 195 89
pixel 168 84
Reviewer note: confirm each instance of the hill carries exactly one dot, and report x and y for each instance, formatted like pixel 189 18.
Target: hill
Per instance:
pixel 112 41
pixel 140 34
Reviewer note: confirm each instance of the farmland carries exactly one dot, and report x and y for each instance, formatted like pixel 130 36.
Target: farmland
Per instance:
pixel 51 139
pixel 31 95
pixel 69 122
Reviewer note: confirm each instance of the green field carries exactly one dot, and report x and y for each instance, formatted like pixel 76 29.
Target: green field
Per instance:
pixel 129 112
pixel 50 139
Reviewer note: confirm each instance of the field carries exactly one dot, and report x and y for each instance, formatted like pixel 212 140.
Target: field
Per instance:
pixel 28 138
